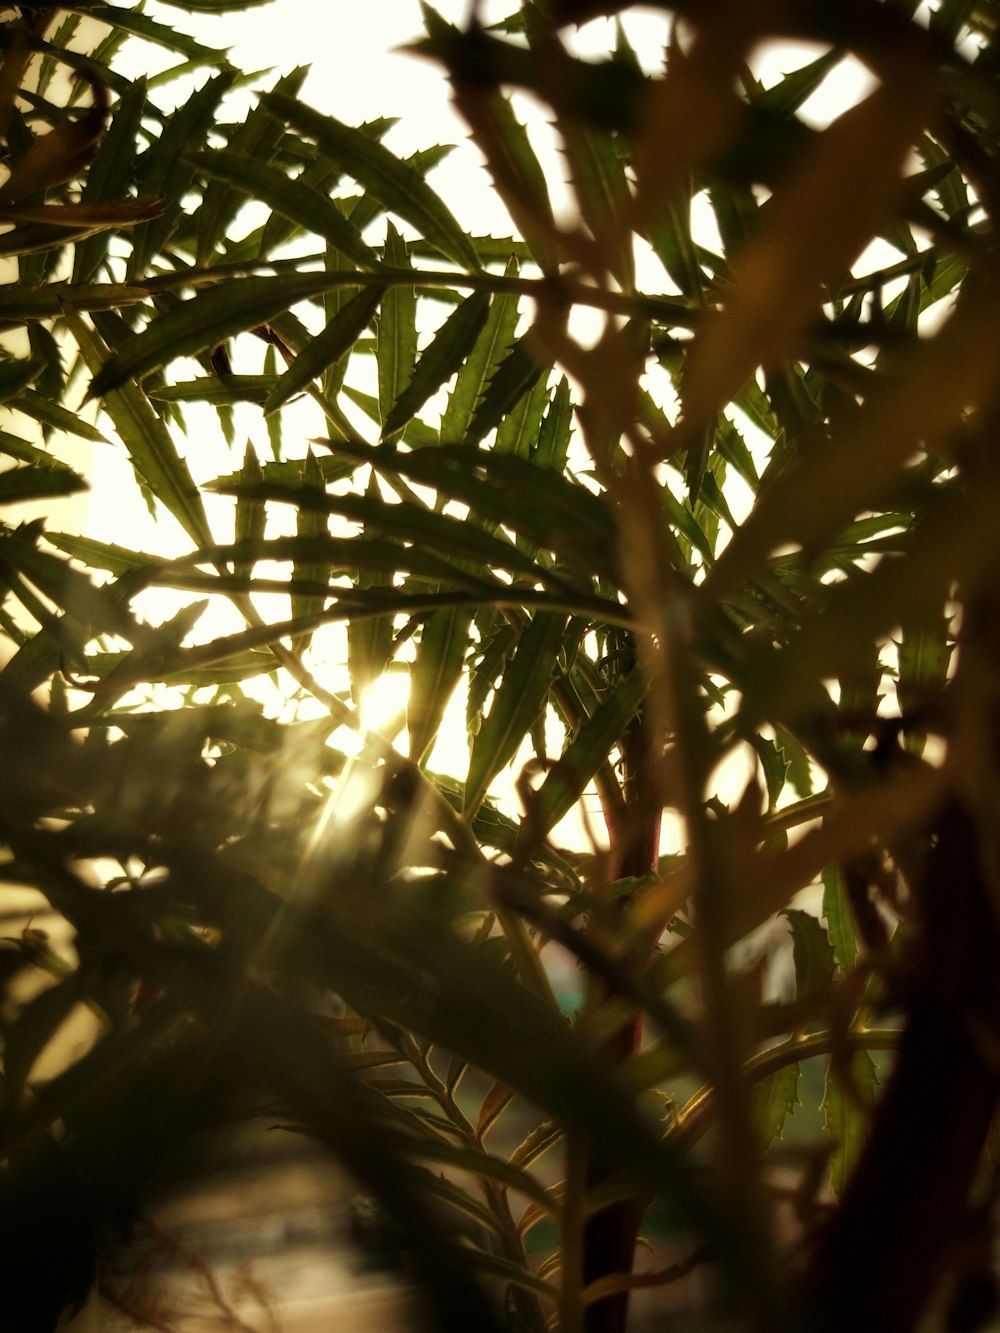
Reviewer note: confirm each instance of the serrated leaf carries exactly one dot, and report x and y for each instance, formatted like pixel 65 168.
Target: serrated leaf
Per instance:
pixel 796 761
pixel 538 503
pixel 517 174
pixel 51 381
pixel 110 174
pixel 16 375
pixel 602 189
pixel 144 435
pixel 328 348
pixel 462 1202
pixel 207 319
pixel 21 303
pixel 519 428
pixel 552 446
pixel 396 185
pixel 408 522
pixel 787 95
pixel 99 555
pixel 39 408
pixel 669 233
pixel 309 523
pixel 18 484
pixel 774 766
pixel 163 170
pixel 772 1101
pixel 815 963
pixel 591 747
pixel 435 673
pixel 517 701
pixel 35 238
pixel 209 389
pixel 96 216
pixel 445 355
pixel 846 1121
pixel 251 518
pixel 480 365
pixel 814 501
pixel 514 377
pixel 369 638
pixel 320 175
pixel 290 196
pixel 839 918
pixel 396 344
pixel 14 447
pixel 924 658
pixel 227 671
pixel 137 24
pixel 257 137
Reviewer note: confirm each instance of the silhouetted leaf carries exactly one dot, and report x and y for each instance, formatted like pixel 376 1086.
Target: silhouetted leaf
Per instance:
pixel 397 186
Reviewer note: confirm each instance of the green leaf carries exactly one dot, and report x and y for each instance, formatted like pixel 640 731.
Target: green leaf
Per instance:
pixel 397 186
pixel 407 522
pixel 328 348
pixel 292 197
pixel 669 233
pixel 598 176
pixel 251 518
pixel 21 303
pixel 38 407
pixel 514 377
pixel 445 355
pixel 839 919
pixel 520 427
pixel 97 554
pixel 309 523
pixel 14 447
pixel 434 676
pixel 772 1101
pixel 207 319
pixel 320 175
pixel 517 174
pixel 37 483
pixel 480 365
pixel 517 701
pixel 144 435
pixel 396 346
pixel 820 216
pixel 552 446
pixel 110 175
pixel 538 503
pixel 17 375
pixel 212 389
pixel 813 953
pixel 796 762
pixel 590 748
pixel 787 95
pixel 774 766
pixel 255 138
pixel 137 24
pixel 164 170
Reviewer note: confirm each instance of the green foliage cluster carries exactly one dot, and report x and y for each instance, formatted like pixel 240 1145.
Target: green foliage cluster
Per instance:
pixel 740 531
